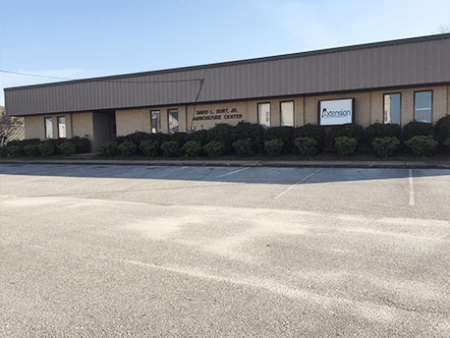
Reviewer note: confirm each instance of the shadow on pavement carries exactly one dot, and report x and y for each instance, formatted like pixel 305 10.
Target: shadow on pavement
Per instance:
pixel 250 175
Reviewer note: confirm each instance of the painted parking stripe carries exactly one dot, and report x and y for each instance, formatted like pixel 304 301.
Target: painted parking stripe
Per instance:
pixel 302 180
pixel 411 188
pixel 233 172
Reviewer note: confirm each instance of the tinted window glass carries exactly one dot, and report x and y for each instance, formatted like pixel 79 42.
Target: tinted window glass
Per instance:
pixel 48 127
pixel 287 114
pixel 62 127
pixel 264 114
pixel 173 121
pixel 392 108
pixel 422 106
pixel 155 121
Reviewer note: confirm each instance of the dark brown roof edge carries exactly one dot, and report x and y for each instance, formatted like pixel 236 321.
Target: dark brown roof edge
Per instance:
pixel 247 61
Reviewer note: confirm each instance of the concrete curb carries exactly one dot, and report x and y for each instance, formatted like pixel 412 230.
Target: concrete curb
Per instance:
pixel 244 163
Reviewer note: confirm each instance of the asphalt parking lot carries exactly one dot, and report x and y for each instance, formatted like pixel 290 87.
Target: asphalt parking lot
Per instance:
pixel 148 251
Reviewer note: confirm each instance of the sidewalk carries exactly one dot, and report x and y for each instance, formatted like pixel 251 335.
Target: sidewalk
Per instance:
pixel 243 163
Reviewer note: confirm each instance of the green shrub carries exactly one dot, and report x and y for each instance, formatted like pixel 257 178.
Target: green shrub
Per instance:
pixel 3 152
pixel 67 148
pixel 23 143
pixel 31 150
pixel 109 149
pixel 170 149
pixel 422 145
pixel 243 147
pixel 192 148
pixel 214 149
pixel 56 142
pixel 446 142
pixel 416 128
pixel 15 151
pixel 149 148
pixel 120 139
pixel 179 137
pixel 127 148
pixel 136 137
pixel 385 146
pixel 345 145
pixel 81 144
pixel 200 136
pixel 313 131
pixel 273 147
pixel 254 132
pixel 46 149
pixel 380 130
pixel 222 133
pixel 306 145
pixel 159 137
pixel 284 134
pixel 349 130
pixel 442 132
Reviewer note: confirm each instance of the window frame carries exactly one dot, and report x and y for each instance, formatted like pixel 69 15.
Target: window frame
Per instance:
pixel 293 113
pixel 384 102
pixel 168 121
pixel 270 112
pixel 158 127
pixel 431 108
pixel 65 126
pixel 46 129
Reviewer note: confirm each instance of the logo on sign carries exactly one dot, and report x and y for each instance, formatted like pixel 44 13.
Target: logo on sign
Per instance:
pixel 335 113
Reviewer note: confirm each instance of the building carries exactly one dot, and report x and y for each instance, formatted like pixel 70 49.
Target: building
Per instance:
pixel 387 82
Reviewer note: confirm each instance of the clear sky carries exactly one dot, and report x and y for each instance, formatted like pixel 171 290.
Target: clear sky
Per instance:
pixel 82 39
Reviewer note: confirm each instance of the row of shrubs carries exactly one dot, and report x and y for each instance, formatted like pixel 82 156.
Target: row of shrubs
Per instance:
pixel 248 139
pixel 35 147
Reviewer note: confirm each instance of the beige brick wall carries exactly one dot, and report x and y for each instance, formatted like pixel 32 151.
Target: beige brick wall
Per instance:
pixel 34 127
pixel 376 107
pixel 275 110
pixel 229 113
pixel 368 110
pixel 440 103
pixel 131 121
pixel 299 113
pixel 139 120
pixel 83 125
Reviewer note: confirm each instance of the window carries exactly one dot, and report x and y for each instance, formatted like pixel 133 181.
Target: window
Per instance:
pixel 264 114
pixel 423 106
pixel 61 127
pixel 48 127
pixel 173 120
pixel 287 114
pixel 392 104
pixel 156 123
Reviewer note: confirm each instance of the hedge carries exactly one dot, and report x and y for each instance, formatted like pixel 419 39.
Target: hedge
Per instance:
pixel 247 139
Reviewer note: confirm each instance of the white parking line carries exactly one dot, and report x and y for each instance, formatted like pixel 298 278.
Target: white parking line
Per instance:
pixel 233 172
pixel 303 179
pixel 165 170
pixel 411 188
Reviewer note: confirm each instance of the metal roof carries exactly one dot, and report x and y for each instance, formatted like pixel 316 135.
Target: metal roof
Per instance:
pixel 397 63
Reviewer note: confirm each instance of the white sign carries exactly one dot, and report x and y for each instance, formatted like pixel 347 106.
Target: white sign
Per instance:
pixel 335 112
